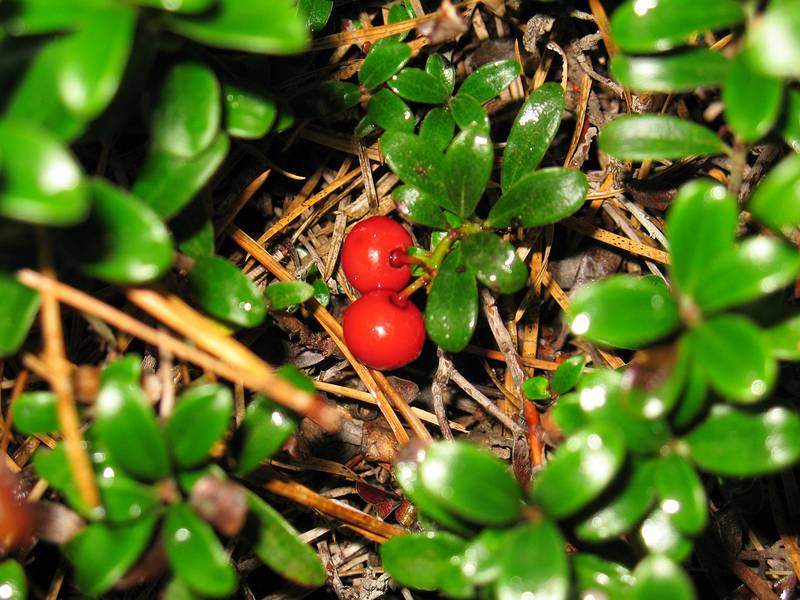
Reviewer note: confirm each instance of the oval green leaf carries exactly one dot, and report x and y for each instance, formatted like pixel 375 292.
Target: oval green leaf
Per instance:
pixel 774 46
pixel 418 207
pixel 265 428
pixel 414 161
pixel 426 561
pixel 12 580
pixel 125 500
pixel 223 291
pixel 287 293
pixel 783 340
pixel 490 79
pixel 568 373
pixel 468 113
pixel 790 128
pixel 249 114
pixel 536 543
pixel 494 262
pixel 201 417
pixel 467 168
pixel 420 86
pixel 23 303
pixel 677 72
pixel 776 200
pixel 658 534
pixel 452 309
pixel 442 69
pixel 682 494
pixel 35 412
pixel 317 12
pixel 752 100
pixel 594 574
pixel 384 59
pixel 437 128
pixel 659 578
pixel 387 110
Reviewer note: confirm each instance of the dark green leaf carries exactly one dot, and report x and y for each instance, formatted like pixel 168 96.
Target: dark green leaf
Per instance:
pixel 677 72
pixel 196 555
pixel 624 311
pixel 330 99
pixel 23 303
pixel 193 230
pixel 693 398
pixel 125 500
pixel 534 128
pixel 426 561
pixel 682 494
pixel 658 578
pixel 41 183
pixel 593 574
pixel 467 167
pixel 772 439
pixel 414 161
pixel 417 85
pixel 490 79
pixel 658 535
pixel 397 14
pixel 222 290
pixel 265 428
pixel 790 128
pixel 418 207
pixel 568 373
pixel 54 466
pixel 442 69
pixel 494 262
pixel 540 198
pixel 783 340
pixel 468 113
pixel 35 412
pixel 279 546
pixel 752 101
pixel 437 128
pixel 385 59
pixel 481 564
pixel 101 554
pixel 322 292
pixel 249 114
pixel 201 417
pixel 653 26
pixel 365 127
pixel 12 580
pixel 568 414
pixel 536 388
pixel 658 137
pixel 580 470
pixel 317 12
pixel 452 309
pixel 535 543
pixel 776 200
pixel 287 293
pixel 387 110
pixel 774 45
pixel 701 226
pixel 273 27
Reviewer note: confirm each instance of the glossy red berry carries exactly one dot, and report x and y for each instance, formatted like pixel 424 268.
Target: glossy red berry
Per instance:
pixel 367 255
pixel 384 330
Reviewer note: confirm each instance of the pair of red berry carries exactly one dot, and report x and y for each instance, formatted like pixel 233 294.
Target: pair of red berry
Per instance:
pixel 382 329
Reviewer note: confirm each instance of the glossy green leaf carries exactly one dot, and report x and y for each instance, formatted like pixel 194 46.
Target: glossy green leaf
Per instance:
pixel 265 428
pixel 418 207
pixel 126 424
pixel 735 358
pixel 594 574
pixel 579 470
pixel 658 137
pixel 783 340
pixel 471 483
pixel 123 240
pixel 12 580
pixel 776 200
pixel 125 500
pixel 420 86
pixel 41 183
pixel 624 311
pixel 568 373
pixel 654 26
pixel 287 293
pixel 533 130
pixel 628 501
pixel 167 183
pixel 759 266
pixel 752 100
pixel 414 161
pixel 693 399
pixel 536 388
pixel 35 412
pixel 317 12
pixel 790 128
pixel 322 292
pixel 34 17
pixel 437 128
pixel 222 290
pixel 677 72
pixel 682 494
pixel 468 113
pixel 365 127
pixel 701 226
pixel 101 554
pixel 426 561
pixel 193 230
pixel 387 110
pixel 177 590
pixel 273 27
pixel 481 558
pixel 467 167
pixel 659 578
pixel 249 114
pixel 772 439
pixel 384 59
pixel 23 303
pixel 53 466
pixel 494 262
pixel 658 534
pixel 442 69
pixel 196 555
pixel 279 546
pixel 774 46
pixel 201 417
pixel 536 543
pixel 397 14
pixel 490 79
pixel 452 309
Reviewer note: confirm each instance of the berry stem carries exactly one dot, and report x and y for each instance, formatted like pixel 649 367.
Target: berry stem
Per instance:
pixel 419 282
pixel 398 258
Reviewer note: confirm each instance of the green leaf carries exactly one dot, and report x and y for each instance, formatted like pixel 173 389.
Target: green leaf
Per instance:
pixel 201 417
pixel 790 128
pixel 752 100
pixel 452 309
pixel 54 466
pixel 701 226
pixel 273 27
pixel 12 580
pixel 471 483
pixel 287 293
pixel 677 72
pixel 418 207
pixel 490 79
pixel 579 470
pixel 35 412
pixel 481 562
pixel 193 230
pixel 735 358
pixel 783 340
pixel 624 311
pixel 437 128
pixel 167 183
pixel 533 130
pixel 682 494
pixel 266 427
pixel 693 398
pixel 536 388
pixel 442 69
pixel 317 12
pixel 177 590
pixel 384 59
pixel 426 561
pixel 330 99
pixel 772 439
pixel 125 500
pixel 774 45
pixel 222 290
pixel 658 26
pixel 658 534
pixel 540 198
pixel 759 266
pixel 467 168
pixel 126 424
pixel 101 554
pixel 41 183
pixel 387 110
pixel 249 114
pixel 397 14
pixel 420 86
pixel 322 292
pixel 34 17
pixel 593 574
pixel 568 373
pixel 414 161
pixel 279 546
pixel 535 543
pixel 658 137
pixel 658 578
pixel 123 240
pixel 776 200
pixel 468 113
pixel 196 555
pixel 23 303
pixel 494 262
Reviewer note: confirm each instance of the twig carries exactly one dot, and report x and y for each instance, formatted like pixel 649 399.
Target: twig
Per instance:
pixel 438 388
pixel 484 402
pixel 503 339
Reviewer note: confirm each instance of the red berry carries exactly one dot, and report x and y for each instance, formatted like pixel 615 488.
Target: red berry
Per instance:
pixel 367 252
pixel 384 330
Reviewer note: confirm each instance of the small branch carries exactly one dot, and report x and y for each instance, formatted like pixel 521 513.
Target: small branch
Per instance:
pixel 484 402
pixel 438 389
pixel 503 339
